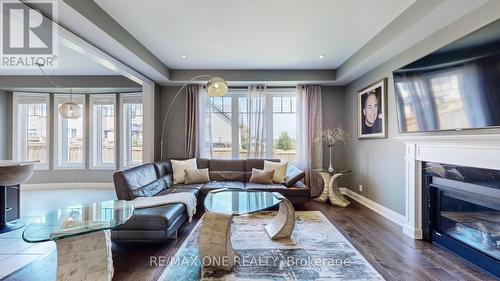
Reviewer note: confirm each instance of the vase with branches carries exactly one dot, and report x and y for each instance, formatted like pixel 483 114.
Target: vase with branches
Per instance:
pixel 331 137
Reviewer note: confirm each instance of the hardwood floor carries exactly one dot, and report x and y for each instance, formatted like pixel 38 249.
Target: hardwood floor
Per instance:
pixel 380 241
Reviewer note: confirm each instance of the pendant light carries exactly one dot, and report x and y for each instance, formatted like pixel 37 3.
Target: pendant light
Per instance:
pixel 68 110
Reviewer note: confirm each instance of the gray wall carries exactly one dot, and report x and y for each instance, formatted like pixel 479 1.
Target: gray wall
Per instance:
pixel 332 99
pixel 378 164
pixel 173 144
pixel 5 124
pixel 333 112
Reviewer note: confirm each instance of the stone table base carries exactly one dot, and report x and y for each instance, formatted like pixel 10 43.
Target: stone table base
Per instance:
pixel 284 222
pixel 331 190
pixel 85 257
pixel 215 245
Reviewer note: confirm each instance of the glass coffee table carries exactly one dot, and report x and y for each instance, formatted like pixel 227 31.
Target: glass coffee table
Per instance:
pixel 221 205
pixel 82 236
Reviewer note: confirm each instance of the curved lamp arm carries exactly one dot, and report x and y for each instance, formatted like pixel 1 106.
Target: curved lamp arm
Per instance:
pixel 170 108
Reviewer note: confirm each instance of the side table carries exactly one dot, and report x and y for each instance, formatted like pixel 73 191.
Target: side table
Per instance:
pixel 331 188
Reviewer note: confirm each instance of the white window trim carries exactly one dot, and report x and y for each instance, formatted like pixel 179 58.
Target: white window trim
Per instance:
pixel 57 146
pixel 15 128
pixel 268 117
pixel 123 140
pixel 92 142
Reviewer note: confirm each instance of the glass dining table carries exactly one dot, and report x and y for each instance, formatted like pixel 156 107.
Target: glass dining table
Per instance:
pixel 82 236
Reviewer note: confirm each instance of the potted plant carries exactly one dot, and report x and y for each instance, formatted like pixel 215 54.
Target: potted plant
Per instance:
pixel 331 137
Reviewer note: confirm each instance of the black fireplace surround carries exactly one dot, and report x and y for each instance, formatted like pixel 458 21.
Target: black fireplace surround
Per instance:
pixel 461 212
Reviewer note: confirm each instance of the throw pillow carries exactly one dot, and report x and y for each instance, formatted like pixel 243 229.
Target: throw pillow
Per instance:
pixel 261 176
pixel 278 168
pixel 293 175
pixel 196 176
pixel 178 166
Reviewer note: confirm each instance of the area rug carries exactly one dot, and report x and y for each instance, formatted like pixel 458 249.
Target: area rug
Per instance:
pixel 316 251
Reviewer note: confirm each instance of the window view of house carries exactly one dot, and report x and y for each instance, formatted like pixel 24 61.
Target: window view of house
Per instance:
pixel 103 124
pixel 219 122
pixel 32 119
pixel 224 126
pixel 36 125
pixel 132 129
pixel 70 144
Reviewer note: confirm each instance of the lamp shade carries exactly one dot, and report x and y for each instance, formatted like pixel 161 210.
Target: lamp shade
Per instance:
pixel 217 87
pixel 70 110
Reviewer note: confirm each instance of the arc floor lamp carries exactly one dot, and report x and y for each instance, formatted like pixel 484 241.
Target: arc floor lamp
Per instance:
pixel 216 87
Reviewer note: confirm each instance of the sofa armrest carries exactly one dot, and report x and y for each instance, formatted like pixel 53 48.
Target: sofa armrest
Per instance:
pixel 148 190
pixel 293 175
pixel 121 186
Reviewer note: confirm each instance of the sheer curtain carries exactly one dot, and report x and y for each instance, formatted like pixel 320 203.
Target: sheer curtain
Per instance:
pixel 256 127
pixel 192 131
pixel 309 128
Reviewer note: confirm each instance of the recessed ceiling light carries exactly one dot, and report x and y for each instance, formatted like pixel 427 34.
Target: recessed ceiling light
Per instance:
pixel 184 56
pixel 321 56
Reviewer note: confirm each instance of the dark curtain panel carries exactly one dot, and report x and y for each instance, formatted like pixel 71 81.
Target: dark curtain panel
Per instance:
pixel 192 121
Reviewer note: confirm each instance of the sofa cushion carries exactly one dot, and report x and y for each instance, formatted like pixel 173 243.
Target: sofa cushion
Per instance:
pixel 227 165
pixel 148 190
pixel 255 164
pixel 293 175
pixel 227 176
pixel 261 176
pixel 178 190
pixel 224 184
pixel 227 170
pixel 196 176
pixel 179 167
pixel 189 186
pixel 163 168
pixel 154 218
pixel 279 170
pixel 285 191
pixel 132 179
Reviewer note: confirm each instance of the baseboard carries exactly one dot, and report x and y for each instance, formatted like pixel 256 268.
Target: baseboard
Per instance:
pixel 70 185
pixel 412 232
pixel 376 207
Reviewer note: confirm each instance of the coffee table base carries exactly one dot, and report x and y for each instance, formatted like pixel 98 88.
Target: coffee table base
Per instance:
pixel 284 222
pixel 216 249
pixel 85 257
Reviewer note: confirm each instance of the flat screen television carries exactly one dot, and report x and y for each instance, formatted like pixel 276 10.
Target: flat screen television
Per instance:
pixel 456 87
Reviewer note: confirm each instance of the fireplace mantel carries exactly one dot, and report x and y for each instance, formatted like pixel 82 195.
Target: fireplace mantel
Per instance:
pixel 481 151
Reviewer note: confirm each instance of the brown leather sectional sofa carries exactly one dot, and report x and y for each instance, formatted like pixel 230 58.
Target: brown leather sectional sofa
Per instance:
pixel 160 223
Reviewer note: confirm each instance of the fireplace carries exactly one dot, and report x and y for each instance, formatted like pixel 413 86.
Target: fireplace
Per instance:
pixel 461 212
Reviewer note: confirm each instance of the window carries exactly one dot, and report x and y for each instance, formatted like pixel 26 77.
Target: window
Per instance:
pixel 132 129
pixel 284 128
pixel 219 133
pixel 69 135
pixel 31 128
pixel 226 120
pixel 102 140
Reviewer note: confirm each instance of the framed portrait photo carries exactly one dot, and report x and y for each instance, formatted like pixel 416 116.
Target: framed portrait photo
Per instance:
pixel 372 111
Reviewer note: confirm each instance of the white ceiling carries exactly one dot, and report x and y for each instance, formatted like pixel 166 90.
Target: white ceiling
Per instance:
pixel 70 63
pixel 257 34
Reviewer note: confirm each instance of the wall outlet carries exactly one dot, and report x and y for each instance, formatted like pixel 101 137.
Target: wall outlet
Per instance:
pixel 360 188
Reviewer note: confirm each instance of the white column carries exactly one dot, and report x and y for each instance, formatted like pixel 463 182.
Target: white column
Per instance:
pixel 413 187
